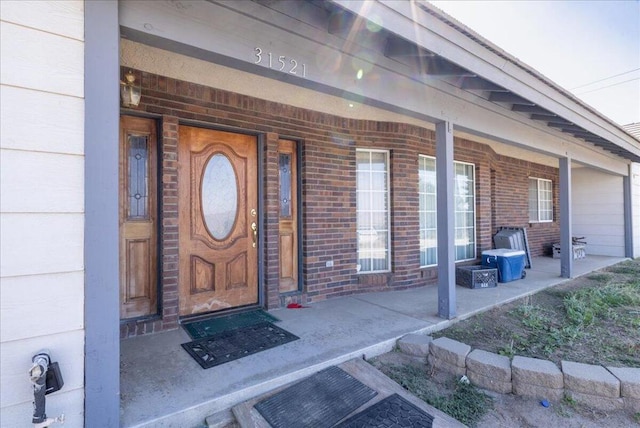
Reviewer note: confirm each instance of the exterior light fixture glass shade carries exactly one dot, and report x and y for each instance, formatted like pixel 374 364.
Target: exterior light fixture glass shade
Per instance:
pixel 129 92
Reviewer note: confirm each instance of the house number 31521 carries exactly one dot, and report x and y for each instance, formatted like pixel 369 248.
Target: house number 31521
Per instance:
pixel 280 62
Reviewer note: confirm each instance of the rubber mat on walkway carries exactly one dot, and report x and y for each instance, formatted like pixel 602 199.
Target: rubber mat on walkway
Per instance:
pixel 319 401
pixel 237 343
pixel 392 412
pixel 209 327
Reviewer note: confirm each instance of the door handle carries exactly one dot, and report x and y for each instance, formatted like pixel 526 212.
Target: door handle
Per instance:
pixel 254 227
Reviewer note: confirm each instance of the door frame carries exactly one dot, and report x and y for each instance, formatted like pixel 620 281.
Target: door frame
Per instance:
pixel 260 158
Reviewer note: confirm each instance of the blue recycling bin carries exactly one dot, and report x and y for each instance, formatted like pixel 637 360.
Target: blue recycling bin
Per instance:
pixel 510 263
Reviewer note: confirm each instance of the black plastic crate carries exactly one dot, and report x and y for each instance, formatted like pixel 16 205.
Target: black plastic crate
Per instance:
pixel 476 276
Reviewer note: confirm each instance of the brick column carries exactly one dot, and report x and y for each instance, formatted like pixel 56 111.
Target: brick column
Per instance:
pixel 271 222
pixel 169 231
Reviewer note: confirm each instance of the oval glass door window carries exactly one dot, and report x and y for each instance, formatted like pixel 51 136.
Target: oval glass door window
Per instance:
pixel 219 196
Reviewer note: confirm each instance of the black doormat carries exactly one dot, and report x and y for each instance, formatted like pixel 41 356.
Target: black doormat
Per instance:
pixel 237 343
pixel 209 327
pixel 392 412
pixel 318 401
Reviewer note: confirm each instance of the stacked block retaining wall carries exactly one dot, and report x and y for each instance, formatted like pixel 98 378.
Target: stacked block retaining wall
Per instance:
pixel 603 388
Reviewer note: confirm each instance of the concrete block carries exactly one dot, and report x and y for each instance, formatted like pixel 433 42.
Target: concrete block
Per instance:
pixel 450 351
pixel 489 365
pixel 442 365
pixel 416 345
pixel 596 401
pixel 629 378
pixel 590 379
pixel 489 382
pixel 536 391
pixel 536 372
pixel 632 404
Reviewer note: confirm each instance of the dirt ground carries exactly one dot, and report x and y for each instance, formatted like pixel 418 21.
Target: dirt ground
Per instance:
pixel 538 326
pixel 511 411
pixel 612 340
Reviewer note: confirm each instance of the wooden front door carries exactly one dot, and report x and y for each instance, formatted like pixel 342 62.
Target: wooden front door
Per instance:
pixel 218 220
pixel 138 217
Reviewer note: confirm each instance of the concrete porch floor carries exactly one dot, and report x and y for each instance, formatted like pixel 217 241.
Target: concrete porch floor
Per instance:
pixel 162 386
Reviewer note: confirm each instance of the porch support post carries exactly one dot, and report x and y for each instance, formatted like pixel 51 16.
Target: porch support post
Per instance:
pixel 446 215
pixel 628 214
pixel 566 245
pixel 101 289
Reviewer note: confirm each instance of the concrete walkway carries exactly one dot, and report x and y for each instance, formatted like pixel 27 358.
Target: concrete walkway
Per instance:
pixel 161 385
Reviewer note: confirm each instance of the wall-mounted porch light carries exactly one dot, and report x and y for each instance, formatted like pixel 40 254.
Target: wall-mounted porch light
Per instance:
pixel 129 91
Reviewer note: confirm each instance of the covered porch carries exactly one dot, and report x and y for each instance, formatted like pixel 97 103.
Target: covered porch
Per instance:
pixel 161 385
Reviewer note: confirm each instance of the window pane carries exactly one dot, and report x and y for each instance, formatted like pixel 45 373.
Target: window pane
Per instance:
pixel 540 200
pixel 427 211
pixel 379 181
pixel 379 161
pixel 430 201
pixel 431 220
pixel 372 211
pixel 422 181
pixel 364 181
pixel 379 260
pixel 367 237
pixel 428 245
pixel 464 211
pixel 138 176
pixel 285 185
pixel 364 220
pixel 464 197
pixel 362 159
pixel 533 199
pixel 219 197
pixel 364 201
pixel 545 185
pixel 379 220
pixel 546 200
pixel 378 200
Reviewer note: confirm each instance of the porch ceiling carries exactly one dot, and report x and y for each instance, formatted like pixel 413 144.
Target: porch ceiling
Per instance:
pixel 416 42
pixel 427 63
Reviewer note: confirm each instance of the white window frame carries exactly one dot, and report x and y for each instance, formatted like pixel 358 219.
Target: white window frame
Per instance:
pixel 475 230
pixel 539 192
pixel 387 211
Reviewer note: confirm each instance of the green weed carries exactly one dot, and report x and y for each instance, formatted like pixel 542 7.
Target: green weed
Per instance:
pixel 466 403
pixel 585 305
pixel 626 268
pixel 569 401
pixel 412 379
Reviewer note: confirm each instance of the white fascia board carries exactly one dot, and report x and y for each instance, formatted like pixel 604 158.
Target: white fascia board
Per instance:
pixel 407 20
pixel 228 34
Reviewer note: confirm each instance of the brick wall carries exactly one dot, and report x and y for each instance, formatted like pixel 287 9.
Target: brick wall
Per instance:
pixel 327 170
pixel 510 201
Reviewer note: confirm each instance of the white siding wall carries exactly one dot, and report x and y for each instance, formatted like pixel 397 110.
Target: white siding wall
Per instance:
pixel 41 207
pixel 635 203
pixel 598 211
